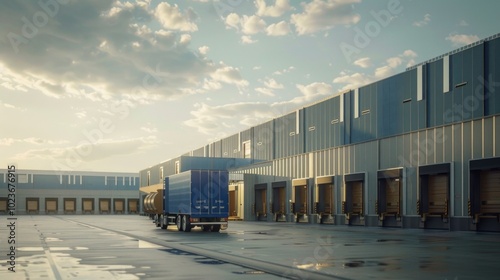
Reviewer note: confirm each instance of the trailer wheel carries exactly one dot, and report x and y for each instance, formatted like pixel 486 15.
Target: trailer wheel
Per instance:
pixel 178 221
pixel 215 228
pixel 162 223
pixel 186 223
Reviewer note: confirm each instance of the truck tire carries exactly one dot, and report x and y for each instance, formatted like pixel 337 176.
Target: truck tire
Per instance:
pixel 186 223
pixel 162 223
pixel 178 221
pixel 215 228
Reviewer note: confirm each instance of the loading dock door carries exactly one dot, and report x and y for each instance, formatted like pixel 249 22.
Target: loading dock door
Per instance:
pixel 232 203
pixel 389 195
pixel 104 205
pixel 32 205
pixel 300 206
pixel 50 205
pixel 279 200
pixel 69 205
pixel 438 194
pixel 119 204
pixel 132 205
pixel 260 200
pixel 325 199
pixel 3 204
pixel 357 197
pixel 490 191
pixel 88 205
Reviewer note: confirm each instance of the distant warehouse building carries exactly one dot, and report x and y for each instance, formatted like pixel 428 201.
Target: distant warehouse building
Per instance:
pixel 71 192
pixel 416 150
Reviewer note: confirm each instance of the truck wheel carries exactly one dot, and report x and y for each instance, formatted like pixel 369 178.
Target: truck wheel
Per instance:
pixel 206 228
pixel 162 223
pixel 215 228
pixel 186 223
pixel 178 221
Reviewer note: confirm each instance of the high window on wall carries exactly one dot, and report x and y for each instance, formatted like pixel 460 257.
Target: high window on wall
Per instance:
pixel 177 167
pixel 149 178
pixel 247 151
pixel 161 174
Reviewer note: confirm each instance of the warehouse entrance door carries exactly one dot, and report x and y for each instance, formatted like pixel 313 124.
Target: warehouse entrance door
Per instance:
pixel 325 206
pixel 354 197
pixel 232 204
pixel 434 199
pixel 260 206
pixel 279 201
pixel 484 201
pixel 389 197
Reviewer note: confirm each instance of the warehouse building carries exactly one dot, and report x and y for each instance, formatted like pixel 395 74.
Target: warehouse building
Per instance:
pixel 416 150
pixel 70 192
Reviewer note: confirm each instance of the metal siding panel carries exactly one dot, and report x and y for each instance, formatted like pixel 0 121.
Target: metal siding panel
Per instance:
pixel 492 60
pixel 429 147
pixel 448 143
pixel 477 139
pixel 457 94
pixel 477 90
pixel 458 164
pixel 439 146
pixel 488 131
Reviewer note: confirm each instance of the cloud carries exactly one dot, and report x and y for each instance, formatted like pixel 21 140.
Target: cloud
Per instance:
pixel 320 15
pixel 203 49
pixel 276 10
pixel 463 23
pixel 229 75
pixel 356 80
pixel 106 52
pixel 252 24
pixel 245 39
pixel 271 83
pixel 363 62
pixel 218 120
pixel 248 25
pixel 423 22
pixel 172 18
pixel 30 140
pixel 278 29
pixel 88 152
pixel 462 39
pixel 265 91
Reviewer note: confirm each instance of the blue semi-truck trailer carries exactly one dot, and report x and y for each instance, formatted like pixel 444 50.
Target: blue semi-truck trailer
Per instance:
pixel 196 198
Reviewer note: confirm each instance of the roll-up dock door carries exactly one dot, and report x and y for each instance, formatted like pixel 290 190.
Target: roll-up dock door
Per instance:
pixel 260 206
pixel 104 205
pixel 300 199
pixel 484 197
pixel 389 198
pixel 88 205
pixel 434 196
pixel 133 206
pixel 51 205
pixel 3 205
pixel 325 206
pixel 69 205
pixel 119 206
pixel 279 201
pixel 32 205
pixel 353 205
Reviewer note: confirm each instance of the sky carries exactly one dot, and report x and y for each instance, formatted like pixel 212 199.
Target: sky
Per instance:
pixel 118 86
